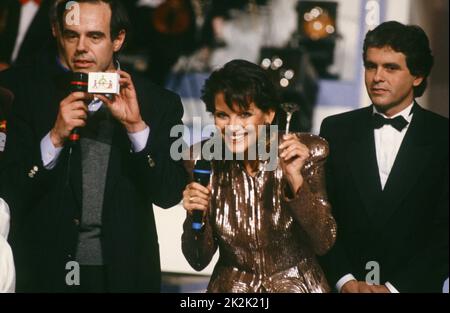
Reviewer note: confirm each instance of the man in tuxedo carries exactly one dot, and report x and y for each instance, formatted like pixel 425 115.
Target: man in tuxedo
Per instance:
pixel 388 174
pixel 24 30
pixel 81 212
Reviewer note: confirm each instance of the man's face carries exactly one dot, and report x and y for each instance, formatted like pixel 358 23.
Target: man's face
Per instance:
pixel 88 47
pixel 389 82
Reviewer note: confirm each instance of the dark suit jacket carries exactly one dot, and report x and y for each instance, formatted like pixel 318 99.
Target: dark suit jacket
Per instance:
pixel 38 35
pixel 44 206
pixel 404 227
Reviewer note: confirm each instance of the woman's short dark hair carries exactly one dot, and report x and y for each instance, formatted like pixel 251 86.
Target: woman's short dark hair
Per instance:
pixel 242 83
pixel 119 17
pixel 410 40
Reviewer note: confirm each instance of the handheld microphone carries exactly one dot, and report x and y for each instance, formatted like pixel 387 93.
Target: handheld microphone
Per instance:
pixel 79 82
pixel 202 174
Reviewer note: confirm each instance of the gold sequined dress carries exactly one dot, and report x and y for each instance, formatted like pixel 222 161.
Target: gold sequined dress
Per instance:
pixel 267 237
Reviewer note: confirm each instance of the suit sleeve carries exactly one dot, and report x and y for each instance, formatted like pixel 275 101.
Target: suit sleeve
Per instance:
pixel 157 173
pixel 24 178
pixel 335 263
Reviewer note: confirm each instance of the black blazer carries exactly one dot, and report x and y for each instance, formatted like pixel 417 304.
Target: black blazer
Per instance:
pixel 403 227
pixel 45 205
pixel 39 33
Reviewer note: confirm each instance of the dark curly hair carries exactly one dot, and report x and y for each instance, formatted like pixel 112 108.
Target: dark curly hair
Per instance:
pixel 242 83
pixel 410 40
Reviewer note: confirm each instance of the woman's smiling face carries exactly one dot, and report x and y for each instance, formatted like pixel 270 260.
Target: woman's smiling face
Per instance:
pixel 239 127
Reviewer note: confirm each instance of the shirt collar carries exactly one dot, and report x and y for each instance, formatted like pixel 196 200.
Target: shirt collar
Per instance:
pixel 407 113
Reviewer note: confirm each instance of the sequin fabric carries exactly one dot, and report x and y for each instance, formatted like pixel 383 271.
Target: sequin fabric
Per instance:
pixel 268 238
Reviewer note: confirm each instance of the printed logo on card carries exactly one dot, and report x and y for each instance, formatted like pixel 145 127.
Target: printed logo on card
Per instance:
pixel 103 83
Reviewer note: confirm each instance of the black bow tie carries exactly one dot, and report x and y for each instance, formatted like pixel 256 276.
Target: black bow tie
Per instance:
pixel 399 123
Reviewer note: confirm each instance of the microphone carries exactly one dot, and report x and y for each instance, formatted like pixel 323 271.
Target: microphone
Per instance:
pixel 202 174
pixel 79 82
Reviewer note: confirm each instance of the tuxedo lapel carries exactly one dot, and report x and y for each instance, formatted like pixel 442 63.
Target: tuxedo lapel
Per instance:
pixel 412 158
pixel 363 162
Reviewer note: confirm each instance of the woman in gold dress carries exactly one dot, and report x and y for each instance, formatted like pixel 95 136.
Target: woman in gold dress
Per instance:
pixel 268 225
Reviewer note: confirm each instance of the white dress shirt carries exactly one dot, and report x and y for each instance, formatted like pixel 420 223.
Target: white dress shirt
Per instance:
pixel 7 270
pixel 27 13
pixel 50 153
pixel 387 144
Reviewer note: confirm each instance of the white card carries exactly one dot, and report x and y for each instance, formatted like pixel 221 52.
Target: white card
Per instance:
pixel 103 83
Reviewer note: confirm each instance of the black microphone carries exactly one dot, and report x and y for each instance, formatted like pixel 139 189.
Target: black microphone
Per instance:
pixel 79 82
pixel 202 174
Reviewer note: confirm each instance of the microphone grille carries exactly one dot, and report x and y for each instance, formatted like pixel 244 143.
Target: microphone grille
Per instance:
pixel 202 165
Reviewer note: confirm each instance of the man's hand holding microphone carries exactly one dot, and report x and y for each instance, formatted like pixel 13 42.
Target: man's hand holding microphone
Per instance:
pixel 73 110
